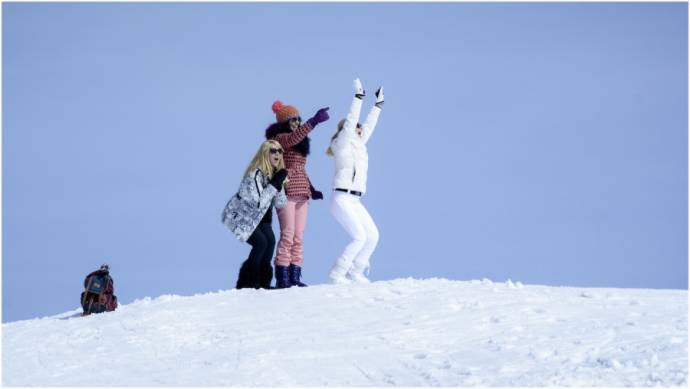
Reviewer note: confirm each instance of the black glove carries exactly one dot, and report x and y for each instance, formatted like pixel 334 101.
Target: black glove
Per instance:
pixel 315 194
pixel 278 178
pixel 379 97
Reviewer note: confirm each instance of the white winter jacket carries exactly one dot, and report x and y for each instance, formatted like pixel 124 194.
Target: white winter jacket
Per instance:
pixel 350 149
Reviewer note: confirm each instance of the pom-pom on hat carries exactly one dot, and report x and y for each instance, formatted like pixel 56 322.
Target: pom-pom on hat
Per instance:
pixel 284 112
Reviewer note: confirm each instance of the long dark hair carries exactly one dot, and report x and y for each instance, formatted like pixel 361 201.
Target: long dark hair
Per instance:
pixel 284 128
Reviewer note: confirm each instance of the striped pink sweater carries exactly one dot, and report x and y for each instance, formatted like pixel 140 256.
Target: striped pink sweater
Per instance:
pixel 295 162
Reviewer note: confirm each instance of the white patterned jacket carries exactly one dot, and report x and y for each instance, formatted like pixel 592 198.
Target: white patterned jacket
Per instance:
pixel 244 211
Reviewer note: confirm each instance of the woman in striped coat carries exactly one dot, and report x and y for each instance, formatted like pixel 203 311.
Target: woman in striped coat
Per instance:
pixel 291 133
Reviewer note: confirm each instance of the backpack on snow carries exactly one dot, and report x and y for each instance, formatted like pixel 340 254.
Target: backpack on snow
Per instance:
pixel 98 292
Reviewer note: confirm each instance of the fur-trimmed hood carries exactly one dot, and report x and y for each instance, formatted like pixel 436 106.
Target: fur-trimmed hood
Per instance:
pixel 284 127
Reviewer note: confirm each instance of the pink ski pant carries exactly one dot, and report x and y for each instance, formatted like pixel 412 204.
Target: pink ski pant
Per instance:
pixel 293 220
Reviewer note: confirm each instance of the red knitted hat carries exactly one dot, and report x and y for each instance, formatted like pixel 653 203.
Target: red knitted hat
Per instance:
pixel 284 112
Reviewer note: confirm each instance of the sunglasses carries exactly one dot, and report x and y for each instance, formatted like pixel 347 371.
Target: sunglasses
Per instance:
pixel 275 151
pixel 297 119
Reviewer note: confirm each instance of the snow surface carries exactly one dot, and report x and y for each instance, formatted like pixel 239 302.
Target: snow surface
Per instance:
pixel 404 332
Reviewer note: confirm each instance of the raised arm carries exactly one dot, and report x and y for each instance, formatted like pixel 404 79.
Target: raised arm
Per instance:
pixel 352 116
pixel 355 109
pixel 288 140
pixel 373 116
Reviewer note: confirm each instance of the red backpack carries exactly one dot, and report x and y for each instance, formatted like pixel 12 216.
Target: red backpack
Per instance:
pixel 98 291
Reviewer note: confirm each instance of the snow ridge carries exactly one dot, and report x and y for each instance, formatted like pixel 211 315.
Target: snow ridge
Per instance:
pixel 404 332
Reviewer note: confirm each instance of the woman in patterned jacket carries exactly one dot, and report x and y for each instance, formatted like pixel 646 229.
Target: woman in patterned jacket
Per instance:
pixel 291 133
pixel 248 214
pixel 349 148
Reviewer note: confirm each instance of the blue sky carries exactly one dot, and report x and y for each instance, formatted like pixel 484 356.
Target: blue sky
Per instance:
pixel 543 143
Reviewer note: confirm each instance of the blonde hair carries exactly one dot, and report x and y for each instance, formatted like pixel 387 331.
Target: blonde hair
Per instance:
pixel 262 159
pixel 341 125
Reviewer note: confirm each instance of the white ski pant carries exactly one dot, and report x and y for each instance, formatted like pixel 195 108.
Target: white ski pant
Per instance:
pixel 349 211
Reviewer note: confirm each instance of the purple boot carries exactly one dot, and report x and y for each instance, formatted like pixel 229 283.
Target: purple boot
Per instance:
pixel 295 275
pixel 282 277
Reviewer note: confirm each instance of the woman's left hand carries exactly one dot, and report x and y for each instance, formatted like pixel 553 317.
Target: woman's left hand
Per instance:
pixel 379 97
pixel 315 194
pixel 320 116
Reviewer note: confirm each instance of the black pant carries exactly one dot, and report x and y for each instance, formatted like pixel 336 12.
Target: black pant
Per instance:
pixel 256 271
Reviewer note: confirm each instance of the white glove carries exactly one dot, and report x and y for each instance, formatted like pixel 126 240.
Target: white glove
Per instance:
pixel 359 90
pixel 379 97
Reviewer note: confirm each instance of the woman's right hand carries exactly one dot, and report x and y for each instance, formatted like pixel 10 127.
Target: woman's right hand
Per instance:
pixel 279 178
pixel 359 89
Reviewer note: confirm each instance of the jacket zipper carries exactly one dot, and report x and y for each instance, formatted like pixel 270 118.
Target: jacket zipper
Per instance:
pixel 258 203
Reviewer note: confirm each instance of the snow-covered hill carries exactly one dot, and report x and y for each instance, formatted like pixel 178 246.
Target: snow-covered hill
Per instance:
pixel 403 332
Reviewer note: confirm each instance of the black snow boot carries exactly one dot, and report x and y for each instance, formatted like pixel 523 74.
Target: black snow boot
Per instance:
pixel 266 275
pixel 282 277
pixel 295 275
pixel 245 278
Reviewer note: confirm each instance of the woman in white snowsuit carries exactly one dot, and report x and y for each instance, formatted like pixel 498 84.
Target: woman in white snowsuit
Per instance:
pixel 248 214
pixel 349 148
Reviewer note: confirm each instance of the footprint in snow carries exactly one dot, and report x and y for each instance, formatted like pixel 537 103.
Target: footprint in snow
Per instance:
pixel 675 340
pixel 541 355
pixel 493 345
